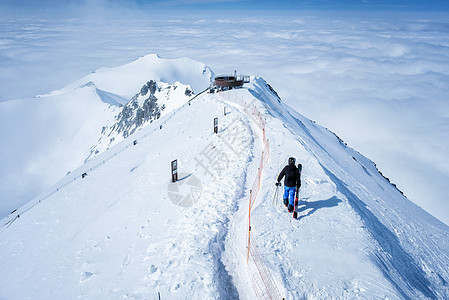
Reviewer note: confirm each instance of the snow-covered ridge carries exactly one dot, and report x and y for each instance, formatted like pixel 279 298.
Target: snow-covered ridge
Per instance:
pixel 153 101
pixel 397 232
pixel 125 80
pixel 114 227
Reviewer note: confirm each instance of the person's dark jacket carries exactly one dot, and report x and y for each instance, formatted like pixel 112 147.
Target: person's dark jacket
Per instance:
pixel 292 176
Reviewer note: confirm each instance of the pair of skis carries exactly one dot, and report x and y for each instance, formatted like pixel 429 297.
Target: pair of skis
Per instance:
pixel 295 213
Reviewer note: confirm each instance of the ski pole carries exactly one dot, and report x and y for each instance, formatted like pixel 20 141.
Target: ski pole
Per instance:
pixel 274 197
pixel 276 193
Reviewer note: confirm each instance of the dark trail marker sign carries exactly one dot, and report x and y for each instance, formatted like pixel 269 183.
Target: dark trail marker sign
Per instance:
pixel 174 170
pixel 216 125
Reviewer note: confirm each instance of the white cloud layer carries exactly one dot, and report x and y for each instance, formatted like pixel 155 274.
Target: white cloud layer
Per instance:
pixel 381 84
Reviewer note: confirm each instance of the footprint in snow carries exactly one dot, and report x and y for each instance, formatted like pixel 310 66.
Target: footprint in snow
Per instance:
pixel 85 276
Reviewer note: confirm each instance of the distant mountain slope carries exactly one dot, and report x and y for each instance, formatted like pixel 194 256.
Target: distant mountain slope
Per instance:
pixel 45 137
pixel 127 79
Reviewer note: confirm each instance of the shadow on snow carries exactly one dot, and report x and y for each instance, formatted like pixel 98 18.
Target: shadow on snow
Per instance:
pixel 316 205
pixel 394 262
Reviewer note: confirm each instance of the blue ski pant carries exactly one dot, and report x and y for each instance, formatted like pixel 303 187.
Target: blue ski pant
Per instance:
pixel 289 193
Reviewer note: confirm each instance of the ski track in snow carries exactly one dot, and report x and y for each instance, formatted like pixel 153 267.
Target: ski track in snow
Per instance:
pixel 126 231
pixel 106 238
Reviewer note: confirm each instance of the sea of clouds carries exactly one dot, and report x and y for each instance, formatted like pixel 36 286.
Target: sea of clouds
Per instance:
pixel 380 82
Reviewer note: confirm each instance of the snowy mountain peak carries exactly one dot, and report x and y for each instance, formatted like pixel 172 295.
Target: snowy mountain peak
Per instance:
pixel 153 101
pixel 125 80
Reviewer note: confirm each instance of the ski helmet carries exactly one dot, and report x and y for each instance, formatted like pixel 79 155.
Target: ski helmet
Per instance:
pixel 291 161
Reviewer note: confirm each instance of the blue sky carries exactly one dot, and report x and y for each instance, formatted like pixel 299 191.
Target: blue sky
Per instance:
pixel 384 5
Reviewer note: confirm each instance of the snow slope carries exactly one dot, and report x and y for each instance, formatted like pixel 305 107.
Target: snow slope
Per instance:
pixel 118 232
pixel 125 80
pixel 45 137
pixel 356 236
pixel 126 231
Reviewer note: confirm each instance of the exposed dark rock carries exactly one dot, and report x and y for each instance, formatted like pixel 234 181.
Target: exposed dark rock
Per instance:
pixel 188 92
pixel 133 116
pixel 150 86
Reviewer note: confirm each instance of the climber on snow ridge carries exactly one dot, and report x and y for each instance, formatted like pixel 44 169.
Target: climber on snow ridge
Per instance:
pixel 292 182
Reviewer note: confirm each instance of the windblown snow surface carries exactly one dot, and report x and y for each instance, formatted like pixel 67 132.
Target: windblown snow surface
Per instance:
pixel 125 231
